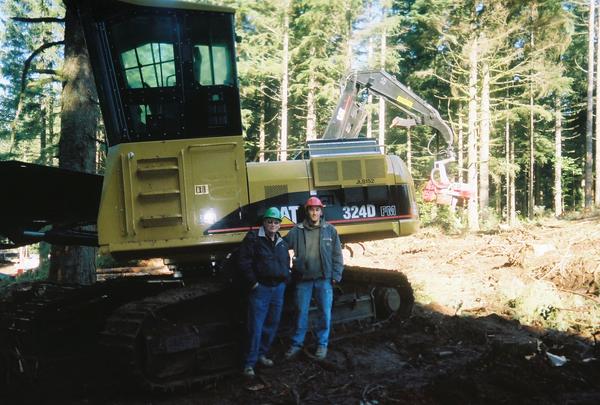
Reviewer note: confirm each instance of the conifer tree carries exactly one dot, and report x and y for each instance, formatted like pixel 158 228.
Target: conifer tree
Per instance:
pixel 30 59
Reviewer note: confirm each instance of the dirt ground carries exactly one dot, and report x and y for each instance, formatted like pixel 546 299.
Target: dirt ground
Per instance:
pixel 510 317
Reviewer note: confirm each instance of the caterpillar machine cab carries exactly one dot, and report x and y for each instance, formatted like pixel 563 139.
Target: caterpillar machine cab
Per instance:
pixel 177 186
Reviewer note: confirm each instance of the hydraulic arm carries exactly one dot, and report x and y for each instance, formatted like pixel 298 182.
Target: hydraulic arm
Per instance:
pixel 350 112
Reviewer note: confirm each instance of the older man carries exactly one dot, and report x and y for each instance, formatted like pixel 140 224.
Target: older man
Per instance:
pixel 265 265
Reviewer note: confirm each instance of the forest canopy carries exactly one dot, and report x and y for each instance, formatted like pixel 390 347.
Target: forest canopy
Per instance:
pixel 513 80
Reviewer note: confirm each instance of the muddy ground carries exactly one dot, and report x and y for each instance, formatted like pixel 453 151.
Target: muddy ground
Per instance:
pixel 508 317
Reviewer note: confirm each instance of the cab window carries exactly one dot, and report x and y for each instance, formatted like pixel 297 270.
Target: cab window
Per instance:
pixel 175 75
pixel 213 52
pixel 149 65
pixel 147 59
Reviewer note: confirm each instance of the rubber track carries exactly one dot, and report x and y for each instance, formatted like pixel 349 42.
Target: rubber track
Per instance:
pixel 384 278
pixel 35 319
pixel 124 326
pixel 126 323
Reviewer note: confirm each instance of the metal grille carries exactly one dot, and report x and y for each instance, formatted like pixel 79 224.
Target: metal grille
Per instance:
pixel 351 169
pixel 327 171
pixel 375 168
pixel 275 190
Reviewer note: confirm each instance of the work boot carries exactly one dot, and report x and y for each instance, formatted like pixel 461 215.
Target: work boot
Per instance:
pixel 292 352
pixel 248 372
pixel 321 352
pixel 265 361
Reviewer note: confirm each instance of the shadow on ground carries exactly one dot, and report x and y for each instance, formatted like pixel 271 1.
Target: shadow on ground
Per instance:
pixel 430 358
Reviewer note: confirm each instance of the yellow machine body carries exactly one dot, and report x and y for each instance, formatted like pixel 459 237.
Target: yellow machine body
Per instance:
pixel 196 197
pixel 163 195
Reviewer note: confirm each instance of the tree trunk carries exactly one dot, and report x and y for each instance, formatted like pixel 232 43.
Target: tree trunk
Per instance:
pixel 311 110
pixel 597 164
pixel 558 207
pixel 473 211
pixel 461 145
pixel 50 135
pixel 513 193
pixel 283 142
pixel 484 143
pixel 44 134
pixel 261 130
pixel 77 145
pixel 531 171
pixel 369 97
pixel 589 116
pixel 369 116
pixel 381 100
pixel 507 173
pixel 349 30
pixel 408 150
pixel 100 147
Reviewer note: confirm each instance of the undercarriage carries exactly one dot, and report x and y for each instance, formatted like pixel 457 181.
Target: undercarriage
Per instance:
pixel 164 333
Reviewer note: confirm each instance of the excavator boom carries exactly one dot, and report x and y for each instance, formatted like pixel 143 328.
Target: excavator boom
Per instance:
pixel 350 112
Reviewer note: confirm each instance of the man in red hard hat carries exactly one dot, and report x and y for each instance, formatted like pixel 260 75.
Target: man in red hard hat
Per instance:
pixel 318 264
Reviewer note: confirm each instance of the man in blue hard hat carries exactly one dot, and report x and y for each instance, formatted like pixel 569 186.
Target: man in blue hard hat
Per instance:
pixel 265 267
pixel 318 265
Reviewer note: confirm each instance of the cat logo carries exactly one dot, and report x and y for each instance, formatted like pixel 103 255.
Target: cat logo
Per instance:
pixel 289 214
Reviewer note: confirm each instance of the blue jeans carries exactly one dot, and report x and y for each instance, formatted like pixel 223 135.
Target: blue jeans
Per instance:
pixel 264 312
pixel 324 299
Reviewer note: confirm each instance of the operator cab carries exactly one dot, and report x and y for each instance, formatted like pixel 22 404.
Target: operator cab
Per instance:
pixel 166 73
pixel 168 88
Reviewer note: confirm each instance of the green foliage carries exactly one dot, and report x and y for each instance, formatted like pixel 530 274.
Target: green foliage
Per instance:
pixel 441 217
pixel 532 48
pixel 542 305
pixel 39 274
pixel 28 109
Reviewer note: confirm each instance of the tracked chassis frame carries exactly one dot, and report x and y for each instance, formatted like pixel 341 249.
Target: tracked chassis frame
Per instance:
pixel 172 334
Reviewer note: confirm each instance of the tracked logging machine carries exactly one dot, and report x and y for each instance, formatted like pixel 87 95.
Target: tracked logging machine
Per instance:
pixel 177 186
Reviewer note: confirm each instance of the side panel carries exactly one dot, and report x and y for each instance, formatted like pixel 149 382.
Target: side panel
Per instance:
pixel 192 199
pixel 159 196
pixel 366 196
pixel 285 185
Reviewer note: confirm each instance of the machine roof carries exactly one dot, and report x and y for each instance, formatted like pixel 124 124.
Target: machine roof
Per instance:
pixel 178 4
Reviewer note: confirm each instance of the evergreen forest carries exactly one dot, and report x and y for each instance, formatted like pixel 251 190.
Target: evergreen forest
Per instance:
pixel 514 79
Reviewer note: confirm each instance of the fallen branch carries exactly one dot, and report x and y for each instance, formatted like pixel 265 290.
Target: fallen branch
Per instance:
pixel 589 297
pixel 295 395
pixel 368 389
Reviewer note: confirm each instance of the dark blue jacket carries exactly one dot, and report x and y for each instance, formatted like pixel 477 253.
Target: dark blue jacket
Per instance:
pixel 262 260
pixel 330 248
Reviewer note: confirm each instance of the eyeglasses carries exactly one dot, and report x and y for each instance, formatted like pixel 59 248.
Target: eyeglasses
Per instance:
pixel 272 221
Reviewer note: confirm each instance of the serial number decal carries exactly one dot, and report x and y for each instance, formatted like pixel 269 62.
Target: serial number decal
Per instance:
pixel 200 189
pixel 359 211
pixel 388 210
pixel 365 181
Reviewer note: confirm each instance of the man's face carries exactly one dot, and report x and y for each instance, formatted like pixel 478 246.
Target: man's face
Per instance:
pixel 271 225
pixel 314 214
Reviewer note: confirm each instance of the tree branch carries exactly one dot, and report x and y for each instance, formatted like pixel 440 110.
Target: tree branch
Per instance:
pixel 28 61
pixel 46 71
pixel 39 20
pixel 26 67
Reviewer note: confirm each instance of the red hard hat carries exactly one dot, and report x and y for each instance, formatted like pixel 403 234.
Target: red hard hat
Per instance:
pixel 313 202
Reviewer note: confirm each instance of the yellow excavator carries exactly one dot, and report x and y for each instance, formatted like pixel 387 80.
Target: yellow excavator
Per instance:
pixel 177 186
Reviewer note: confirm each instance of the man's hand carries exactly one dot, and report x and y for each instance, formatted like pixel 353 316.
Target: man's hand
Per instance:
pixel 255 285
